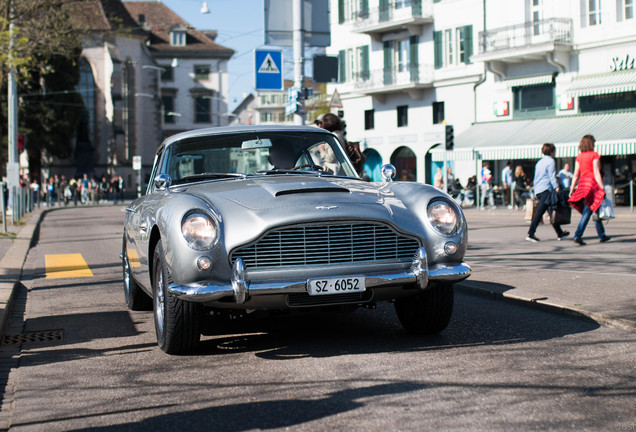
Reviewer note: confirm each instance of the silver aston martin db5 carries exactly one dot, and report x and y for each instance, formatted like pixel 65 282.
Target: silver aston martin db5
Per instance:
pixel 264 219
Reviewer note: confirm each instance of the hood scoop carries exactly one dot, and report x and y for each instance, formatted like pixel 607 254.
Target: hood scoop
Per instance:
pixel 277 189
pixel 312 189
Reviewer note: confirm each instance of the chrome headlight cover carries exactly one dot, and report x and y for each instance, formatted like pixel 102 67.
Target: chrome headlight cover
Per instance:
pixel 200 231
pixel 443 217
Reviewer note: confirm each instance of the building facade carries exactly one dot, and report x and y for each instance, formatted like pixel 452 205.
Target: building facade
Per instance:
pixel 121 117
pixel 509 75
pixel 191 69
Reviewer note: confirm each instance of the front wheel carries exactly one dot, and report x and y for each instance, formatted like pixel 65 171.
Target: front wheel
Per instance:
pixel 136 299
pixel 428 312
pixel 177 323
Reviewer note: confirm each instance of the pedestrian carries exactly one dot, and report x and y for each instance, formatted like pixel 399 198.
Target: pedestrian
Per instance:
pixel 439 179
pixel 336 125
pixel 587 190
pixel 522 189
pixel 506 183
pixel 486 186
pixel 565 177
pixel 545 183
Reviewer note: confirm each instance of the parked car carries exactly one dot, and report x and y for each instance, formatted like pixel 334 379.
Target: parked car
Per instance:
pixel 271 218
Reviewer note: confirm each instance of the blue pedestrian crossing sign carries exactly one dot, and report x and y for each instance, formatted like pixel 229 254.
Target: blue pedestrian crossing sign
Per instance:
pixel 269 69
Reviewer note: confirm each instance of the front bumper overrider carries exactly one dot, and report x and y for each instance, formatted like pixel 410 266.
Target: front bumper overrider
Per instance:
pixel 240 288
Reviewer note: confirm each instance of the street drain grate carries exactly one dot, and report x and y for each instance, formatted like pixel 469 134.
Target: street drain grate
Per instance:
pixel 39 336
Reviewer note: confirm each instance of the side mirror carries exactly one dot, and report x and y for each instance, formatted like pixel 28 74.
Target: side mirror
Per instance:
pixel 388 172
pixel 162 182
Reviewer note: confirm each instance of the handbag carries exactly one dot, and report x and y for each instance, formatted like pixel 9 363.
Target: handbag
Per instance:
pixel 561 215
pixel 605 211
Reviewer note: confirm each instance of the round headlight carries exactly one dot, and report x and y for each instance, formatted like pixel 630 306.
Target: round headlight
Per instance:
pixel 199 231
pixel 443 218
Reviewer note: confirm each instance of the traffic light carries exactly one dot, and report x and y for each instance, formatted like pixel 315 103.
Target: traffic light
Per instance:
pixel 450 137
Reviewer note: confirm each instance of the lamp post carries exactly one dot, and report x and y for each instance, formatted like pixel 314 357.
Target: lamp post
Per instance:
pixel 13 167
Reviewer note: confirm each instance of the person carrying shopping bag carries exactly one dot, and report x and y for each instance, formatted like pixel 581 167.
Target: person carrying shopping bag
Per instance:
pixel 587 192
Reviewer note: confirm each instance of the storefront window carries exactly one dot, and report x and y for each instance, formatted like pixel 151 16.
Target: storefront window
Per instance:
pixel 531 101
pixel 608 102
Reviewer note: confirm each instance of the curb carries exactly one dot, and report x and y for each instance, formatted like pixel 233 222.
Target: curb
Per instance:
pixel 13 261
pixel 554 308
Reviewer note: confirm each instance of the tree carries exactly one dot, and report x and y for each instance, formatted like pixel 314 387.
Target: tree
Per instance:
pixel 42 47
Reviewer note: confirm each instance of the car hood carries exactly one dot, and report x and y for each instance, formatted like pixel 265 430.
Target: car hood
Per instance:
pixel 247 207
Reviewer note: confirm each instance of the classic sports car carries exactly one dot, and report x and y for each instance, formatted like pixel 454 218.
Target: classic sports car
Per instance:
pixel 259 219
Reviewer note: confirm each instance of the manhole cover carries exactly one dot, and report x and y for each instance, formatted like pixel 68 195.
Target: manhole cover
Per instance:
pixel 39 336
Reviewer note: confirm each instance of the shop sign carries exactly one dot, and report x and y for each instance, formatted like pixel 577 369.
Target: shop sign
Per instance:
pixel 620 63
pixel 501 108
pixel 566 102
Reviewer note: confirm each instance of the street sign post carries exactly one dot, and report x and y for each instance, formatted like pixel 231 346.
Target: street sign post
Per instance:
pixel 269 69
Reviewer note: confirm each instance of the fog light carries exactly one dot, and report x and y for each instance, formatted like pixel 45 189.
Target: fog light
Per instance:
pixel 450 248
pixel 204 263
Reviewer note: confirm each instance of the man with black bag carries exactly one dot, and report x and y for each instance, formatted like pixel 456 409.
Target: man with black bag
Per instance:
pixel 545 185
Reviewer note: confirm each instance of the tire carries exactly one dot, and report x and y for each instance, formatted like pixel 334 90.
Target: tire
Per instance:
pixel 177 323
pixel 136 298
pixel 428 312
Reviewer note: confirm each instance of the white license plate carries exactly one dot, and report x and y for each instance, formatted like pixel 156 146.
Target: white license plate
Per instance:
pixel 336 285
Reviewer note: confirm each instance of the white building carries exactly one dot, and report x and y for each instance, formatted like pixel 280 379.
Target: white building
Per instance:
pixel 509 75
pixel 191 66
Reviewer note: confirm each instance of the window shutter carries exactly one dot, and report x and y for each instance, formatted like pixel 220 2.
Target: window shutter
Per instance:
pixel 388 63
pixel 384 10
pixel 342 67
pixel 416 7
pixel 364 59
pixel 468 42
pixel 439 49
pixel 364 9
pixel 341 11
pixel 414 63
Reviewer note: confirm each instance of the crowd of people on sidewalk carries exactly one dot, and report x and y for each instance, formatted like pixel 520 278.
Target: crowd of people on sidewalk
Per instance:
pixel 57 190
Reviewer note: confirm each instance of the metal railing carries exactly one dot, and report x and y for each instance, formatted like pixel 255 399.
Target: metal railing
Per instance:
pixel 526 35
pixel 23 201
pixel 380 78
pixel 395 10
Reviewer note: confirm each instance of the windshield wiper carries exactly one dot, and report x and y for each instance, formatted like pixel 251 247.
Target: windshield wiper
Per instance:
pixel 209 176
pixel 288 171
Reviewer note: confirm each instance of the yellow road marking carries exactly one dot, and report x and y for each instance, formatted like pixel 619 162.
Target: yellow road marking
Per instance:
pixel 133 257
pixel 66 266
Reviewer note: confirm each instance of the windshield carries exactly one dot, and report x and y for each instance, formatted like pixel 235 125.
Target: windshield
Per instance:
pixel 266 153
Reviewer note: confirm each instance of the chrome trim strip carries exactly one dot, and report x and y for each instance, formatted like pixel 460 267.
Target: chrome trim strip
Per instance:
pixel 209 291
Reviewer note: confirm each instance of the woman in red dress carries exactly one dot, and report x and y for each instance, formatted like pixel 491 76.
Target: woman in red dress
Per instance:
pixel 586 193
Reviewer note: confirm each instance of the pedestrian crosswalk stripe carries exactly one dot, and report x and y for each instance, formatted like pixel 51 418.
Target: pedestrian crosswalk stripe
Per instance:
pixel 66 266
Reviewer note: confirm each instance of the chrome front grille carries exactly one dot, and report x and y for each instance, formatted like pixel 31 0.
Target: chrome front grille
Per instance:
pixel 334 243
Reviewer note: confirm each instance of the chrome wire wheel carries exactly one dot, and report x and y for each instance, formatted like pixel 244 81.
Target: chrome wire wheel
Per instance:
pixel 126 276
pixel 160 304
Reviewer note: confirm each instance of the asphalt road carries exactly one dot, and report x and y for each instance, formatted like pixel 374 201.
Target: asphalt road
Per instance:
pixel 498 366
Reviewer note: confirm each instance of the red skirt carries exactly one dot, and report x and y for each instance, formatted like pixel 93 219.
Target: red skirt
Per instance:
pixel 587 193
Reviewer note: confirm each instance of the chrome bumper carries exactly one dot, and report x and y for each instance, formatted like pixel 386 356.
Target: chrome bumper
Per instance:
pixel 419 273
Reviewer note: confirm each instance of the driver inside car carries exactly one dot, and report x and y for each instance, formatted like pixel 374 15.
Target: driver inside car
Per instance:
pixel 281 156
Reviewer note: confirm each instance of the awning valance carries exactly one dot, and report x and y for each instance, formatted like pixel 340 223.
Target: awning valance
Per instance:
pixel 529 81
pixel 613 82
pixel 615 135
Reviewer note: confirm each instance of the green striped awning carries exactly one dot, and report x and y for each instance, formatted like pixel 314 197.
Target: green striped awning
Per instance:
pixel 615 135
pixel 613 82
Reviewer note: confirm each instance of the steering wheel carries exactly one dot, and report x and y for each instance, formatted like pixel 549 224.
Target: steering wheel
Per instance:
pixel 312 166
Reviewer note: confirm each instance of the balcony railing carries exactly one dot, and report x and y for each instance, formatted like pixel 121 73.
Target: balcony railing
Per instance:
pixel 394 12
pixel 526 35
pixel 394 79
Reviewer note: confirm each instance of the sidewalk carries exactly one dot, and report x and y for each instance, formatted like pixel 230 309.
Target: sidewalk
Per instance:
pixel 596 281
